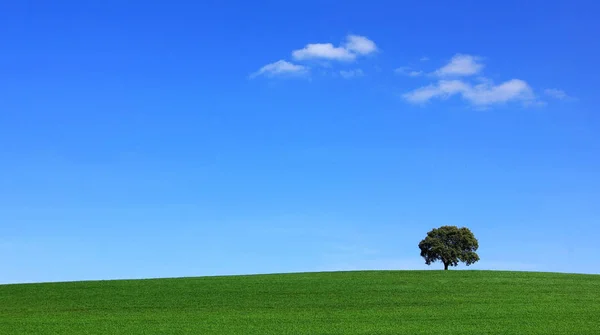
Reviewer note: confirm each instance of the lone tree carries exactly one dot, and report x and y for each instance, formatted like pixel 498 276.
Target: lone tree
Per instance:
pixel 450 245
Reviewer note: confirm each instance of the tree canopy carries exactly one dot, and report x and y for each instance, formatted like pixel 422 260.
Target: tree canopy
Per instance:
pixel 450 245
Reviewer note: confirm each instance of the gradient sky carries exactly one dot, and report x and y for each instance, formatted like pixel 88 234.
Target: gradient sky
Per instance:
pixel 193 138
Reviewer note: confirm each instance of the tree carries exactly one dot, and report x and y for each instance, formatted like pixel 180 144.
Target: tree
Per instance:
pixel 450 245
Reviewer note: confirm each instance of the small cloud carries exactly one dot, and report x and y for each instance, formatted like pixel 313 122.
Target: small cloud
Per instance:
pixel 360 45
pixel 281 68
pixel 557 94
pixel 353 47
pixel 460 65
pixel 407 71
pixel 512 90
pixel 323 51
pixel 349 74
pixel 443 89
pixel 481 95
pixel 424 59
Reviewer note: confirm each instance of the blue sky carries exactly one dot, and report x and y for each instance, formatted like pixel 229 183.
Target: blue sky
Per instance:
pixel 228 137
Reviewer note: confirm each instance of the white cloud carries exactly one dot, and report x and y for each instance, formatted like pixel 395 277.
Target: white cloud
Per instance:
pixel 477 90
pixel 355 45
pixel 460 65
pixel 557 94
pixel 480 95
pixel 280 68
pixel 407 71
pixel 443 89
pixel 360 45
pixel 321 54
pixel 424 59
pixel 349 74
pixel 323 51
pixel 512 90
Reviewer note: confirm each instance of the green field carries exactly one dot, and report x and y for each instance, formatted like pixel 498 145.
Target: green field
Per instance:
pixel 372 302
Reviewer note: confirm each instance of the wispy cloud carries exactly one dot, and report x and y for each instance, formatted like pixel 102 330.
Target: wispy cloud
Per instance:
pixel 349 74
pixel 354 46
pixel 407 71
pixel 461 77
pixel 323 51
pixel 557 94
pixel 460 65
pixel 360 45
pixel 281 68
pixel 480 95
pixel 321 54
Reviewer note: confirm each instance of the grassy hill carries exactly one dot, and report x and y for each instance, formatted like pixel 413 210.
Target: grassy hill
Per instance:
pixel 373 302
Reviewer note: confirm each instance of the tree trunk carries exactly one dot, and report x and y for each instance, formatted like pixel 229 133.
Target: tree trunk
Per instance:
pixel 445 266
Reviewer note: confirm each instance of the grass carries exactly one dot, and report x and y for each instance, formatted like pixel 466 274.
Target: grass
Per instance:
pixel 372 302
